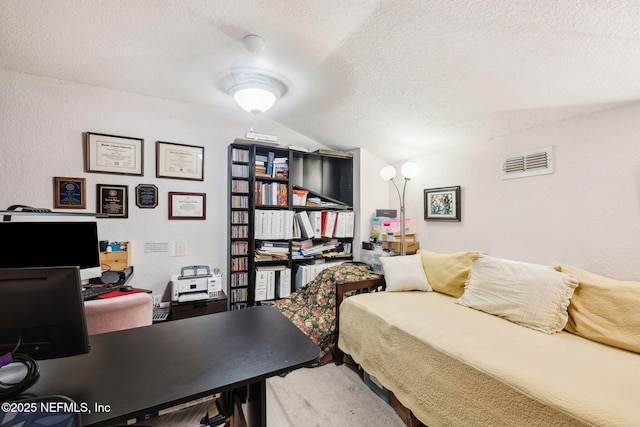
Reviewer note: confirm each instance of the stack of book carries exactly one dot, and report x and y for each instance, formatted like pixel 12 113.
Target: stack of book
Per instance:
pixel 272 251
pixel 270 166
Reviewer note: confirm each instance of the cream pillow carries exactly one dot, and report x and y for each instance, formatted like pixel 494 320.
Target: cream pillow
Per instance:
pixel 604 310
pixel 404 273
pixel 447 273
pixel 531 295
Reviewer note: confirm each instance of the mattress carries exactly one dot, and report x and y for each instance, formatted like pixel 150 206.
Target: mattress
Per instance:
pixel 455 366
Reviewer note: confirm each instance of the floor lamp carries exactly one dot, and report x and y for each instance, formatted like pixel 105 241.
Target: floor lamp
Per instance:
pixel 388 173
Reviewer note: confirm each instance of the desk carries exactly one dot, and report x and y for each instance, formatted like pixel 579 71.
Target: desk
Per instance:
pixel 142 370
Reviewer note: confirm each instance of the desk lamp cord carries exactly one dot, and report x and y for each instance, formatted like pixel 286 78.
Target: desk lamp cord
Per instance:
pixel 8 390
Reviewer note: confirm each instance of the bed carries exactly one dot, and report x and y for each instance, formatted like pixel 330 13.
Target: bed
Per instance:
pixel 452 365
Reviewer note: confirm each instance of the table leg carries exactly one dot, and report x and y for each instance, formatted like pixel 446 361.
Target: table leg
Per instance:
pixel 257 404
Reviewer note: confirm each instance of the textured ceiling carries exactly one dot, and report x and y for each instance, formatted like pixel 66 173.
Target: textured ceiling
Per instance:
pixel 398 77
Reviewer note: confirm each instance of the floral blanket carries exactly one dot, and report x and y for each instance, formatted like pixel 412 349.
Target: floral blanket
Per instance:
pixel 312 308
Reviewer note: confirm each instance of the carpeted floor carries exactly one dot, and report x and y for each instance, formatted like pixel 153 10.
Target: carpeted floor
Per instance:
pixel 327 396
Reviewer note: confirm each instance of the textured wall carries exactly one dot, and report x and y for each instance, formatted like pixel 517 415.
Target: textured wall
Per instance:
pixel 586 213
pixel 41 126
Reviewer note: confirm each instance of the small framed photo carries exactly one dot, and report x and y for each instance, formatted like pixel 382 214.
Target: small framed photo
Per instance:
pixel 442 204
pixel 146 196
pixel 69 193
pixel 187 205
pixel 112 200
pixel 114 154
pixel 179 161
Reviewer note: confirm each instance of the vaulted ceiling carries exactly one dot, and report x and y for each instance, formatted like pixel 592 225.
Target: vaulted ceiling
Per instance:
pixel 399 77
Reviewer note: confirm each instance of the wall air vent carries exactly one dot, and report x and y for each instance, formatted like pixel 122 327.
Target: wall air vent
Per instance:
pixel 528 163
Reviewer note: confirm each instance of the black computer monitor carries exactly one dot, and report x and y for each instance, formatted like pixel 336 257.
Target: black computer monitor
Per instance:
pixel 51 244
pixel 42 312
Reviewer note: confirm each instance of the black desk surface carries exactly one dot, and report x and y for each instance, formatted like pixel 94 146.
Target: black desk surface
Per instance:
pixel 141 370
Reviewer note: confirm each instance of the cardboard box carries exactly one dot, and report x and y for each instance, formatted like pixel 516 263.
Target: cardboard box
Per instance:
pixel 411 247
pixel 408 237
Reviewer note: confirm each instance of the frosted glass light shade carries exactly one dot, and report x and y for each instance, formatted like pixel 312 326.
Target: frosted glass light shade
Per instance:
pixel 388 173
pixel 409 170
pixel 254 99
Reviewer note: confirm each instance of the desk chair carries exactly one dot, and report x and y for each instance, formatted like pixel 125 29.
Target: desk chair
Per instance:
pixel 122 312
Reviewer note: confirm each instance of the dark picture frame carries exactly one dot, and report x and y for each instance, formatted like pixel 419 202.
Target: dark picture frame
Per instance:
pixel 146 196
pixel 114 154
pixel 69 193
pixel 179 161
pixel 442 204
pixel 187 205
pixel 112 200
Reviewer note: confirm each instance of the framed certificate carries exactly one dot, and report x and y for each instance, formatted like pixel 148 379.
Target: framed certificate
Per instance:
pixel 112 200
pixel 114 154
pixel 179 161
pixel 187 205
pixel 69 193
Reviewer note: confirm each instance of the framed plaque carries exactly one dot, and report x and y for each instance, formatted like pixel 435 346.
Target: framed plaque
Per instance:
pixel 187 205
pixel 114 154
pixel 112 200
pixel 146 196
pixel 69 193
pixel 179 161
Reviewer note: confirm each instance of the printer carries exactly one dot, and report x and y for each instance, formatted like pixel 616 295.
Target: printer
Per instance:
pixel 195 283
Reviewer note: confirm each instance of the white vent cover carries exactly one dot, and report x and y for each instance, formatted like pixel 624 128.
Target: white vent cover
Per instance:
pixel 528 163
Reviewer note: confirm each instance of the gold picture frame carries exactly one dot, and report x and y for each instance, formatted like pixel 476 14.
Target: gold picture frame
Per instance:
pixel 69 193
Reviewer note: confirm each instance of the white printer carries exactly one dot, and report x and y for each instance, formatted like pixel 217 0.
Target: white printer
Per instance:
pixel 201 284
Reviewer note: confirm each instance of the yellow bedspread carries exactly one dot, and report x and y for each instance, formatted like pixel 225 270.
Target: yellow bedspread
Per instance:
pixel 455 366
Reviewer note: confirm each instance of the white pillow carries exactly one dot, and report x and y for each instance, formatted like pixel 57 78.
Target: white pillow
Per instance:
pixel 531 295
pixel 404 273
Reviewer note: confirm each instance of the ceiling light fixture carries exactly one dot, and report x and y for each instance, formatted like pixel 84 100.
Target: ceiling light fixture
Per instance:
pixel 255 90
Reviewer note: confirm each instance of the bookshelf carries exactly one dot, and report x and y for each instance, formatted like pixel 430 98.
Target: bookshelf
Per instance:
pixel 273 194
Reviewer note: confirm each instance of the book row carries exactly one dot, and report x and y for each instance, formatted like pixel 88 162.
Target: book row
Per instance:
pixel 239 155
pixel 285 224
pixel 270 193
pixel 272 282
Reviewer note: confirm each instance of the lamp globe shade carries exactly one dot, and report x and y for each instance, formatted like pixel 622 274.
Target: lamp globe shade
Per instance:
pixel 409 170
pixel 388 173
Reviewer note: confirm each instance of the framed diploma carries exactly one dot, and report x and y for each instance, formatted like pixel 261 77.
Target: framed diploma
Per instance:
pixel 146 196
pixel 114 154
pixel 69 193
pixel 112 200
pixel 187 205
pixel 179 161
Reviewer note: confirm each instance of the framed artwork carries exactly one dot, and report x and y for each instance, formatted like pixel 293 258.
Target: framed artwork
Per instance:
pixel 69 193
pixel 146 196
pixel 112 200
pixel 179 161
pixel 187 205
pixel 442 204
pixel 114 154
